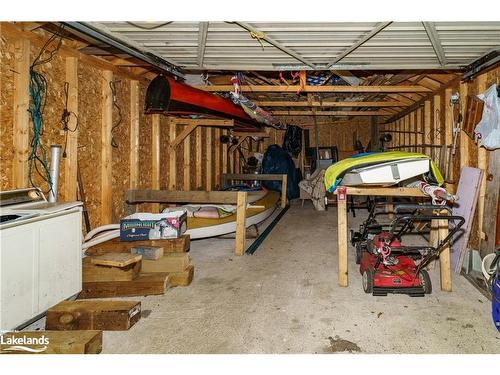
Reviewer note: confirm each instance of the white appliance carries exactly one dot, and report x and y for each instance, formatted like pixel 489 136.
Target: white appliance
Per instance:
pixel 40 255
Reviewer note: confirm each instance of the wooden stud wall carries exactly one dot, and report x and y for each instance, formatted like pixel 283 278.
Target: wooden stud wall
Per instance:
pixel 434 119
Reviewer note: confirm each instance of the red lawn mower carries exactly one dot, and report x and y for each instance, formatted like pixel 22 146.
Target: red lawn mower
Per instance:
pixel 386 265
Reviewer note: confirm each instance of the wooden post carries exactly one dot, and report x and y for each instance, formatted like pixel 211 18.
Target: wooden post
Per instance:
pixel 390 208
pixel 284 181
pixel 224 158
pixel 217 157
pixel 155 157
pixel 134 134
pixel 71 161
pixel 420 129
pixel 464 138
pixel 437 120
pixel 106 148
pixel 209 151
pixel 198 166
pixel 172 166
pixel 427 128
pixel 482 163
pixel 187 164
pixel 444 257
pixel 342 235
pixel 241 207
pixel 21 121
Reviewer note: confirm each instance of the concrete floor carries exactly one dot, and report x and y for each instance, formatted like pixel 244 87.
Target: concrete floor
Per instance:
pixel 285 299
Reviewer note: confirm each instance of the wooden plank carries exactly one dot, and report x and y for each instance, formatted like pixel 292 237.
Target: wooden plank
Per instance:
pixel 198 166
pixel 225 123
pixel 273 103
pixel 59 342
pixel 386 191
pixel 241 223
pixel 172 245
pixel 155 156
pixel 172 170
pixel 490 226
pixel 193 196
pixel 70 186
pixel 209 151
pixel 284 190
pixel 427 122
pixel 173 262
pixel 437 120
pixel 93 315
pixel 119 260
pixel 92 272
pixel 144 285
pixel 134 134
pixel 343 279
pixel 183 278
pixel 252 177
pixel 106 149
pixel 187 164
pixel 21 120
pixel 224 158
pixel 420 128
pixel 148 252
pixel 464 139
pixel 325 88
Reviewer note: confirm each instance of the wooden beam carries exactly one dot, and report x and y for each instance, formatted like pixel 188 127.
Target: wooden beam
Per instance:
pixel 482 163
pixel 432 33
pixel 378 28
pixel 202 42
pixel 342 276
pixel 155 156
pixel 198 165
pixel 330 104
pixel 172 160
pixel 193 196
pixel 217 163
pixel 209 151
pixel 295 88
pixel 284 189
pixel 21 123
pixel 134 134
pixel 71 160
pixel 106 149
pixel 241 207
pixel 203 122
pixel 330 113
pixel 182 135
pixel 275 43
pixel 224 158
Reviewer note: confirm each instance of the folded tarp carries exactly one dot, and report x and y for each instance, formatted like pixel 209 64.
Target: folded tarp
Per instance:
pixel 335 173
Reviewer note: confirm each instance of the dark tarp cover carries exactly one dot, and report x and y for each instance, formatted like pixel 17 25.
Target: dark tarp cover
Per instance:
pixel 276 160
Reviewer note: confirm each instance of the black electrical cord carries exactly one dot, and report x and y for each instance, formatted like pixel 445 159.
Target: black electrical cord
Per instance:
pixel 112 86
pixel 65 118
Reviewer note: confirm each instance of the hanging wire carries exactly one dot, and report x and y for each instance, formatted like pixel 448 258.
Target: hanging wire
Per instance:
pixel 112 85
pixel 65 118
pixel 38 88
pixel 152 27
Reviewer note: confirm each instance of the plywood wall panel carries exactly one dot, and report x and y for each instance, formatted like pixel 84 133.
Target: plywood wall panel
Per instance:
pixel 145 133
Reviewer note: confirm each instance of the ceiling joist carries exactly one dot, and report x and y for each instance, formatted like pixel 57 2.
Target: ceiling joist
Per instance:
pixel 330 113
pixel 297 88
pixel 329 104
pixel 431 31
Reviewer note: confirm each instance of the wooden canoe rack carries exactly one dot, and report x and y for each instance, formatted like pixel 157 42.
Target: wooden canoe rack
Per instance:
pixel 259 177
pixel 192 124
pixel 240 198
pixel 440 228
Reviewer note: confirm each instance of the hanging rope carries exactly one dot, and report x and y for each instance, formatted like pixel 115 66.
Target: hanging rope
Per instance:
pixel 260 36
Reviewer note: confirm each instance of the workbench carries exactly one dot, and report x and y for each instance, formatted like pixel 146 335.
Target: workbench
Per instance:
pixel 439 228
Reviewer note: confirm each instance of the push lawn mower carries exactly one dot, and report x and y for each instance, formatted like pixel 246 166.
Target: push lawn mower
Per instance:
pixel 386 265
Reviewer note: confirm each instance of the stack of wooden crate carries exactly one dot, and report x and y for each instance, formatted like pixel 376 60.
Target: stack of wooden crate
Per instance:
pixel 132 268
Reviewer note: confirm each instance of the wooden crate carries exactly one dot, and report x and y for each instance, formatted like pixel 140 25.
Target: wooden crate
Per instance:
pixel 93 315
pixel 95 273
pixel 59 342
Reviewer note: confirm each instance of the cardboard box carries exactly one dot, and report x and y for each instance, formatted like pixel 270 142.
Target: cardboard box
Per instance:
pixel 147 226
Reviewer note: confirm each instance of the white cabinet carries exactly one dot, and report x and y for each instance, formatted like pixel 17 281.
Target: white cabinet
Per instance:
pixel 40 265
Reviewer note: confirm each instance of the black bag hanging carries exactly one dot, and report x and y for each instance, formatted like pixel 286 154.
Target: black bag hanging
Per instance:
pixel 292 143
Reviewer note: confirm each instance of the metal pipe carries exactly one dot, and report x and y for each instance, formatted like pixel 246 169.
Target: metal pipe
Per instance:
pixel 55 158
